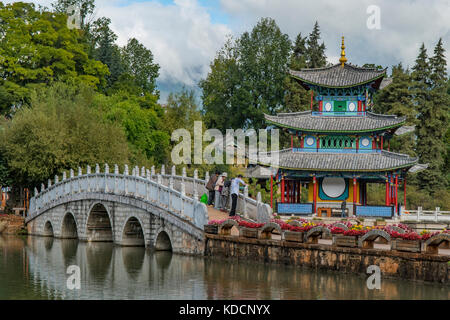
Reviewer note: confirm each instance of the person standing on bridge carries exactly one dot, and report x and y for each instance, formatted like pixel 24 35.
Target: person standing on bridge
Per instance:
pixel 218 189
pixel 210 187
pixel 235 192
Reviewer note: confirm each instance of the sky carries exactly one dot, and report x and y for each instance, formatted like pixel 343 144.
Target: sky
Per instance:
pixel 184 35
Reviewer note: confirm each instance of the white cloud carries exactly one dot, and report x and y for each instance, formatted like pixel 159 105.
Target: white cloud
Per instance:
pixel 405 24
pixel 181 36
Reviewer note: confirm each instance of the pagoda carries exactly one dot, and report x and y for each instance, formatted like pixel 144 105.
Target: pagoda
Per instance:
pixel 339 145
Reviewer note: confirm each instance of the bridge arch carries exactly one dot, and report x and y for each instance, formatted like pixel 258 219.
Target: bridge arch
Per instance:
pixel 133 233
pixel 69 227
pixel 368 239
pixel 433 243
pixel 48 229
pixel 98 224
pixel 163 242
pixel 312 236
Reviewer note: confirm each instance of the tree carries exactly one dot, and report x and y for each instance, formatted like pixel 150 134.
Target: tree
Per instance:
pixel 36 49
pixel 59 130
pixel 306 53
pixel 433 101
pixel 219 89
pixel 138 62
pixel 296 97
pixel 144 128
pixel 101 40
pixel 182 110
pixel 398 99
pixel 315 53
pixel 250 73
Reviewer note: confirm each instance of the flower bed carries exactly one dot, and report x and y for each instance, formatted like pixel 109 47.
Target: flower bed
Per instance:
pixel 345 241
pixel 248 232
pixel 293 236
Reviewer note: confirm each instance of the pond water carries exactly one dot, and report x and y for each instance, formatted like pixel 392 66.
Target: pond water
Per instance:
pixel 36 268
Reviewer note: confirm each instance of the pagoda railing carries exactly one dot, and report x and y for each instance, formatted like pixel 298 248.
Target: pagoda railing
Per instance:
pixel 328 150
pixel 339 113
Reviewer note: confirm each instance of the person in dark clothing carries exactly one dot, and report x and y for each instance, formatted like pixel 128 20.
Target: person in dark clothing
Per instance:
pixel 210 187
pixel 343 206
pixel 235 192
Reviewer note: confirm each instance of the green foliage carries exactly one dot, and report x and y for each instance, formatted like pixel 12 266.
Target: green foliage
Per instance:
pixel 246 78
pixel 181 111
pixel 397 97
pixel 315 52
pixel 415 197
pixel 37 48
pixel 144 127
pixel 138 61
pixel 59 130
pixel 433 101
pixel 306 53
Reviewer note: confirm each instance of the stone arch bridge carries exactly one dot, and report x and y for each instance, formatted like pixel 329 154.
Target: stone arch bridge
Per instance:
pixel 158 211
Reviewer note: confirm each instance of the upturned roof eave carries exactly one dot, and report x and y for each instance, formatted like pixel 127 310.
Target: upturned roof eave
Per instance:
pixel 384 128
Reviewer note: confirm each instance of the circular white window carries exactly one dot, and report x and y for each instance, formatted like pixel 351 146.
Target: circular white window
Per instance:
pixel 310 141
pixel 365 142
pixel 352 106
pixel 333 187
pixel 328 106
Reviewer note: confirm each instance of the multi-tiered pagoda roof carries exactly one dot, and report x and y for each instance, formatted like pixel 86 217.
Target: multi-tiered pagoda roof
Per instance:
pixel 338 76
pixel 309 121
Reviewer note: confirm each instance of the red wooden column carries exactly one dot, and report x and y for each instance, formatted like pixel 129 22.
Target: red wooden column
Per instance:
pixel 282 189
pixel 381 143
pixel 404 192
pixel 271 191
pixel 387 191
pixel 354 196
pixel 314 194
pixel 396 192
pixel 312 94
pixel 288 189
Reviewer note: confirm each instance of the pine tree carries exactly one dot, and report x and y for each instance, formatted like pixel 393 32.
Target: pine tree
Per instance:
pixel 397 99
pixel 296 98
pixel 315 53
pixel 306 53
pixel 432 99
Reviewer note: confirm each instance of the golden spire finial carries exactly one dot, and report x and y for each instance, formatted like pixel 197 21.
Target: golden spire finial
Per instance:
pixel 342 59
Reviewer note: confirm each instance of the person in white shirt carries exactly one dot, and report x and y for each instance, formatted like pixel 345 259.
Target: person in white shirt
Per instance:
pixel 234 193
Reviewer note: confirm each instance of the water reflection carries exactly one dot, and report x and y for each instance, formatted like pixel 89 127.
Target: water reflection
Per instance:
pixel 35 268
pixel 99 256
pixel 133 260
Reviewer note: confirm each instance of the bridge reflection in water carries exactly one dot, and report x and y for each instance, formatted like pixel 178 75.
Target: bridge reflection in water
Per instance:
pixel 35 268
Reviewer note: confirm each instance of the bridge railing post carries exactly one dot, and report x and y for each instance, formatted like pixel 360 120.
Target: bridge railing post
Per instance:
pixel 436 213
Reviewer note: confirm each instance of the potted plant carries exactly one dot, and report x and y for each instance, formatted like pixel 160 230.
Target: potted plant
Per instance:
pixel 249 229
pixel 409 241
pixel 347 238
